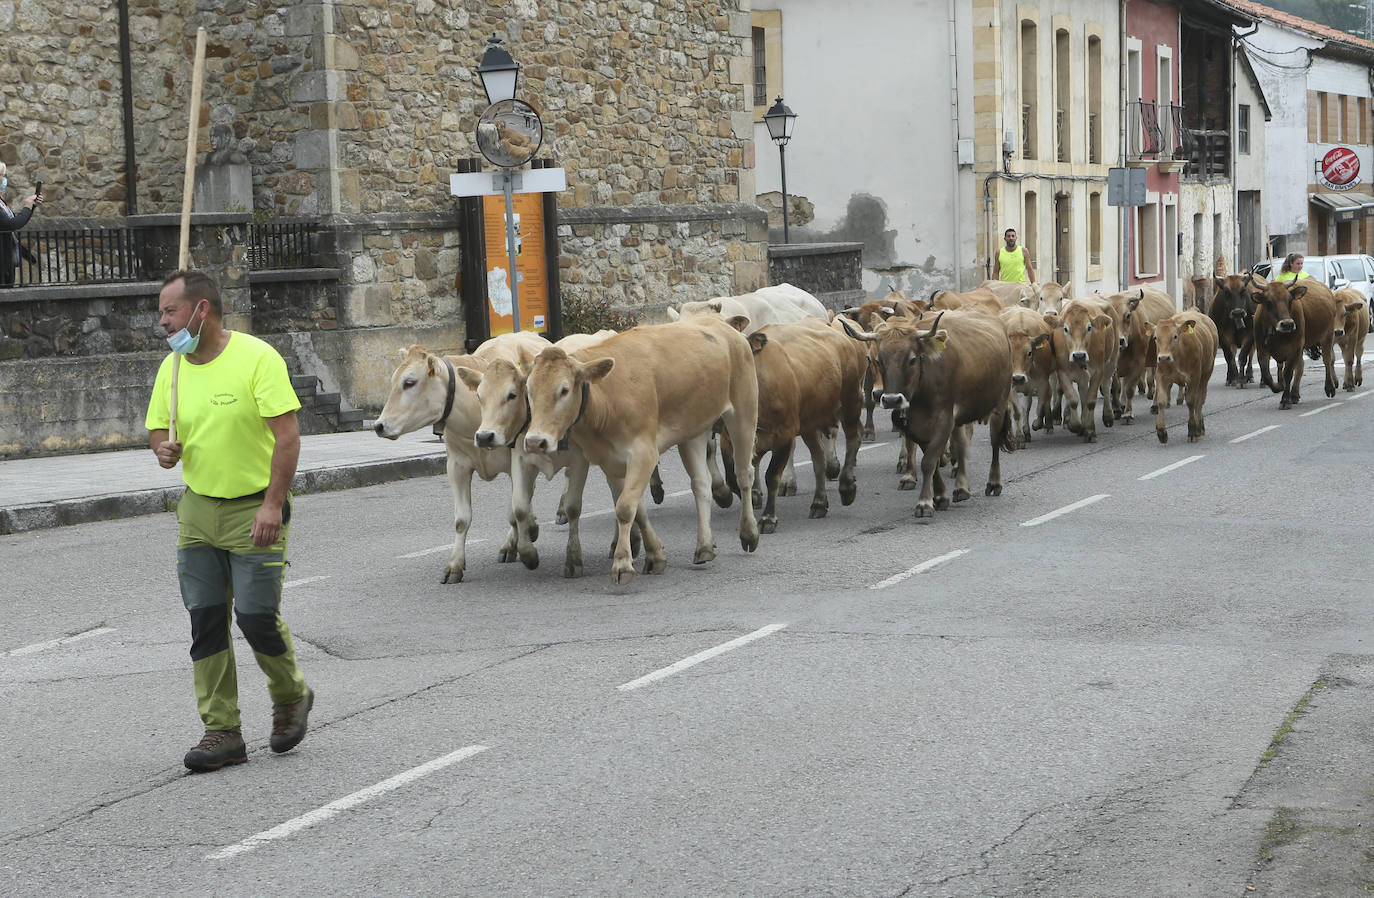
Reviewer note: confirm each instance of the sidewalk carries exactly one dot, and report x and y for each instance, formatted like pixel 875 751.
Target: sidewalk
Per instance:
pixel 36 493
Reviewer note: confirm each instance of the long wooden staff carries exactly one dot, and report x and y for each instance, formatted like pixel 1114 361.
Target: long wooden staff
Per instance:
pixel 187 188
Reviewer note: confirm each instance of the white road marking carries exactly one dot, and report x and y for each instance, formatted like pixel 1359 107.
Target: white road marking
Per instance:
pixel 437 549
pixel 1167 468
pixel 919 569
pixel 304 580
pixel 1035 522
pixel 700 657
pixel 60 641
pixel 1318 411
pixel 334 808
pixel 1257 433
pixel 1359 395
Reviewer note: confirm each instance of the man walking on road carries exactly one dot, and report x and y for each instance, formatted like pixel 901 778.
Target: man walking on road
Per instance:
pixel 1012 262
pixel 238 442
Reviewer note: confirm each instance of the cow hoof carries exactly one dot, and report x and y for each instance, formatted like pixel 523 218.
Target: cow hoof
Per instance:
pixel 659 565
pixel 1107 421
pixel 993 489
pixel 1285 405
pixel 767 525
pixel 784 489
pixel 1330 392
pixel 622 578
pixel 1154 408
pixel 905 484
pixel 749 541
pixel 869 436
pixel 848 490
pixel 560 518
pixel 1090 437
pixel 1128 419
pixel 724 498
pixel 941 503
pixel 962 495
pixel 571 570
pixel 1162 434
pixel 656 493
pixel 925 510
pixel 832 469
pixel 1193 437
pixel 756 499
pixel 1076 429
pixel 507 555
pixel 819 509
pixel 452 575
pixel 530 559
pixel 701 556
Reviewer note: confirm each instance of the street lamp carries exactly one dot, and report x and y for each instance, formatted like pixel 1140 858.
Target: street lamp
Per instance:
pixel 780 121
pixel 498 72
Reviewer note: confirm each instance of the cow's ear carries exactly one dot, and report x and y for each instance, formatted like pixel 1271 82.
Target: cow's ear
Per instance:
pixel 934 345
pixel 1041 341
pixel 1102 320
pixel 1068 291
pixel 1353 306
pixel 757 341
pixel 1296 293
pixel 854 330
pixel 595 371
pixel 1134 301
pixel 472 379
pixel 715 305
pixel 1189 327
pixel 673 314
pixel 738 322
pixel 430 363
pixel 1218 283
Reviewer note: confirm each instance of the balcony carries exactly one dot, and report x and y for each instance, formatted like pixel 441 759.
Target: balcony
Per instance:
pixel 1094 150
pixel 1143 135
pixel 1027 132
pixel 1061 140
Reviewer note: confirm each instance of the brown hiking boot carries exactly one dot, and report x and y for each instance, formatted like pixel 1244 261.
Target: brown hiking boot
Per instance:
pixel 217 748
pixel 288 722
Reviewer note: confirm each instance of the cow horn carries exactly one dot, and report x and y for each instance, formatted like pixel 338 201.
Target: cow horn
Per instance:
pixel 933 328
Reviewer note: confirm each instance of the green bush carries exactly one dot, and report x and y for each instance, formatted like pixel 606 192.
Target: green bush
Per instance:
pixel 587 315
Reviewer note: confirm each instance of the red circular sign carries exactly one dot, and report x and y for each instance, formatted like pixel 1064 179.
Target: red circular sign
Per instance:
pixel 1340 166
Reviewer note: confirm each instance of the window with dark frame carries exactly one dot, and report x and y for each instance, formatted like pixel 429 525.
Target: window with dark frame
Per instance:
pixel 760 70
pixel 1243 129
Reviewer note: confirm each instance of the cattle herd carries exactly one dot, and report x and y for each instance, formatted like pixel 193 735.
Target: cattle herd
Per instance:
pixel 766 368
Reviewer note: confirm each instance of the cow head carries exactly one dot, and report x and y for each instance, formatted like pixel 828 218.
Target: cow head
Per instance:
pixel 1024 348
pixel 902 350
pixel 423 391
pixel 1279 302
pixel 1128 317
pixel 1049 297
pixel 1349 319
pixel 501 394
pixel 1232 302
pixel 558 390
pixel 1081 324
pixel 1167 332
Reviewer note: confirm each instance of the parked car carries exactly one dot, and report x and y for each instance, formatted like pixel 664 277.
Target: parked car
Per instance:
pixel 1324 268
pixel 1359 270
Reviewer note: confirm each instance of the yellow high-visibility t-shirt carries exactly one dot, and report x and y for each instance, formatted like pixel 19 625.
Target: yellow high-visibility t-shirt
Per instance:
pixel 1292 276
pixel 226 445
pixel 1011 266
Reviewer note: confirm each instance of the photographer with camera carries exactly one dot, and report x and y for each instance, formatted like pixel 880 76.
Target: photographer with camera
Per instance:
pixel 11 250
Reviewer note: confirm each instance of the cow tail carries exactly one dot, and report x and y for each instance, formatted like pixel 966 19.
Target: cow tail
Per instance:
pixel 1006 437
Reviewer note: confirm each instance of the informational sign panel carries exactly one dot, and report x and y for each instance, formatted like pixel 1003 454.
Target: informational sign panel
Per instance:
pixel 531 262
pixel 1126 187
pixel 1340 169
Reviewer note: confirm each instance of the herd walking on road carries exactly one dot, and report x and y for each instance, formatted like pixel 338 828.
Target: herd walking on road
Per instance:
pixel 761 370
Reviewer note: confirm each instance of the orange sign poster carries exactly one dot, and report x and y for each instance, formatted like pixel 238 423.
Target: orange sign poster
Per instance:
pixel 530 262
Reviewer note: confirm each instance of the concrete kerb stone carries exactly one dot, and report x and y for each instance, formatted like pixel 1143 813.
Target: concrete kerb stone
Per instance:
pixel 46 515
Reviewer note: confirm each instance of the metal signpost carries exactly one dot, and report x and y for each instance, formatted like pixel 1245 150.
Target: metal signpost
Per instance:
pixel 1126 187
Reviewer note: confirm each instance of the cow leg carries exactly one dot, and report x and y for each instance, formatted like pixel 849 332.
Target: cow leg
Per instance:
pixel 637 472
pixel 1349 383
pixel 1021 411
pixel 460 473
pixel 1070 392
pixel 869 434
pixel 522 477
pixel 849 486
pixel 693 454
pixel 1232 371
pixel 1262 352
pixel 1195 400
pixel 777 460
pixel 656 486
pixel 721 490
pixel 1162 390
pixel 562 516
pixel 930 463
pixel 816 442
pixel 1247 349
pixel 742 418
pixel 575 475
pixel 787 484
pixel 1329 356
pixel 1001 436
pixel 832 455
pixel 958 445
pixel 906 464
pixel 1107 385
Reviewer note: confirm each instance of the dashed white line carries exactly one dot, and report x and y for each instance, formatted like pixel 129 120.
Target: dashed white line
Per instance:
pixel 304 580
pixel 60 641
pixel 919 569
pixel 334 808
pixel 448 547
pixel 1318 411
pixel 1173 467
pixel 700 657
pixel 1035 522
pixel 1359 395
pixel 1257 433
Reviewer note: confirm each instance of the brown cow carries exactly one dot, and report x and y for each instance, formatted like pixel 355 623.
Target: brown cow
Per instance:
pixel 1351 329
pixel 1290 317
pixel 1139 309
pixel 952 372
pixel 625 401
pixel 1233 312
pixel 1032 368
pixel 1011 293
pixel 808 375
pixel 1050 297
pixel 982 300
pixel 1185 352
pixel 1086 352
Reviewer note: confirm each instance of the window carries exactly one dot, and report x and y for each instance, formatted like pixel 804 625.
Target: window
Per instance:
pixel 1147 240
pixel 1028 228
pixel 1362 114
pixel 1095 228
pixel 1243 129
pixel 767 45
pixel 1063 98
pixel 1164 91
pixel 1094 99
pixel 1029 82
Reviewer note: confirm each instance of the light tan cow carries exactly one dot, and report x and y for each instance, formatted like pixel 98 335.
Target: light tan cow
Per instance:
pixel 1011 293
pixel 809 375
pixel 425 390
pixel 1033 372
pixel 625 401
pixel 1050 297
pixel 1086 354
pixel 980 300
pixel 1138 308
pixel 1186 352
pixel 1351 329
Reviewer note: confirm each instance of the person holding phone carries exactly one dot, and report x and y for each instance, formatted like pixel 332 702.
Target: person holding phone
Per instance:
pixel 11 250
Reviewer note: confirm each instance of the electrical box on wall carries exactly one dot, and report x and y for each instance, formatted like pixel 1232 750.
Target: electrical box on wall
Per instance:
pixel 965 149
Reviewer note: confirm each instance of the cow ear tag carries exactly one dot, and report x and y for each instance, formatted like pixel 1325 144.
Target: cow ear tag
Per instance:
pixel 1189 329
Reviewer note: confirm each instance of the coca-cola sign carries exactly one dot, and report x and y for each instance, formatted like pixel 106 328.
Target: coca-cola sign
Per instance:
pixel 1340 169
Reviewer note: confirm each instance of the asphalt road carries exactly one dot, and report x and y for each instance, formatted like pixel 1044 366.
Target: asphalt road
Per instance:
pixel 1144 669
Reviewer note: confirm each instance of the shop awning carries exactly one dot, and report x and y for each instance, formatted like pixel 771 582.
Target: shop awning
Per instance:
pixel 1346 206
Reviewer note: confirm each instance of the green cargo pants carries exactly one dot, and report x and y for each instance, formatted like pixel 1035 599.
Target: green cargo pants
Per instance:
pixel 221 571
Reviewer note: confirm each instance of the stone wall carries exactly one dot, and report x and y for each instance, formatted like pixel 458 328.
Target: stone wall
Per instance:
pixel 832 272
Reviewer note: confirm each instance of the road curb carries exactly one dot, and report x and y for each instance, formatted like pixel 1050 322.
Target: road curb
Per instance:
pixel 64 513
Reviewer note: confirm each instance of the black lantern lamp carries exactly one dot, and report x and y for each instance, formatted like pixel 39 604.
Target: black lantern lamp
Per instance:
pixel 780 121
pixel 498 71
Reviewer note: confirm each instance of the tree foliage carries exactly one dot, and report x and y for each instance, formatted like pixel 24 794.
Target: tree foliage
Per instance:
pixel 1343 15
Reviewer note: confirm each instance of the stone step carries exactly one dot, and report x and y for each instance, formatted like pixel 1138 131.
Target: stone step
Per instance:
pixel 328 403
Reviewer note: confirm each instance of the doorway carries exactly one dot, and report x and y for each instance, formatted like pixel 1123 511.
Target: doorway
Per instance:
pixel 1063 239
pixel 1172 245
pixel 1248 213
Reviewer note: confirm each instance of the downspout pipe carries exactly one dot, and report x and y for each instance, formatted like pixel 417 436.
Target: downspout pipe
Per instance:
pixel 954 129
pixel 126 77
pixel 1236 37
pixel 1123 218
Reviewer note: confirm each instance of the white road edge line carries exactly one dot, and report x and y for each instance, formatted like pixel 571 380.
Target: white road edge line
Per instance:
pixel 304 580
pixel 1167 468
pixel 60 641
pixel 1257 433
pixel 448 547
pixel 1035 522
pixel 1359 395
pixel 700 657
pixel 1318 411
pixel 334 808
pixel 919 569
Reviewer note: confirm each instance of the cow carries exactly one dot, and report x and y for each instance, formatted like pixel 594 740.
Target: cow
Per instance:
pixel 1233 313
pixel 425 390
pixel 1351 329
pixel 1185 355
pixel 808 375
pixel 1049 297
pixel 1086 355
pixel 625 401
pixel 1138 310
pixel 1289 317
pixel 796 296
pixel 982 300
pixel 1011 293
pixel 1031 338
pixel 947 373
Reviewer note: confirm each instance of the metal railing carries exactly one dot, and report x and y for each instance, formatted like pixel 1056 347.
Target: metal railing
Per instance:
pixel 1143 135
pixel 275 245
pixel 1176 146
pixel 1027 138
pixel 1094 151
pixel 65 256
pixel 1208 152
pixel 1061 140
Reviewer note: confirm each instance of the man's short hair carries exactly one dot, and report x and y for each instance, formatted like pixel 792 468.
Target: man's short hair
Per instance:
pixel 1009 231
pixel 199 285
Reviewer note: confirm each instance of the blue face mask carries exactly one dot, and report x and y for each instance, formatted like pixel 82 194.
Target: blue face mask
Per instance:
pixel 4 182
pixel 182 342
